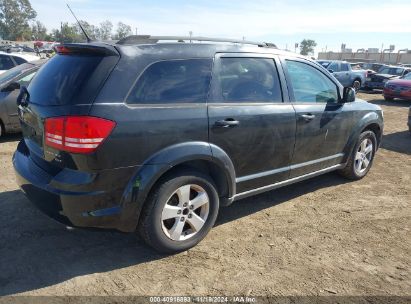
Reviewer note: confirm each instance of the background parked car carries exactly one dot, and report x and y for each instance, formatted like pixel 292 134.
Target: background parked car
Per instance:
pixel 375 67
pixel 398 88
pixel 409 120
pixel 378 80
pixel 345 75
pixel 10 83
pixel 9 61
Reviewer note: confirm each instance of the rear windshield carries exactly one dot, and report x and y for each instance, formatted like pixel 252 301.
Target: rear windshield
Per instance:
pixel 64 79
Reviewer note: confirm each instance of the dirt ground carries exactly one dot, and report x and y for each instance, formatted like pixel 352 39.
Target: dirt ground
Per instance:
pixel 325 236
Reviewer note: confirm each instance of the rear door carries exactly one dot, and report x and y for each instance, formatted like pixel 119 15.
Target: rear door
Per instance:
pixel 323 124
pixel 249 119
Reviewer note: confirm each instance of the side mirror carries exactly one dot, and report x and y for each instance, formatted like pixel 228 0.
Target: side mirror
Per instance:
pixel 348 95
pixel 331 71
pixel 11 87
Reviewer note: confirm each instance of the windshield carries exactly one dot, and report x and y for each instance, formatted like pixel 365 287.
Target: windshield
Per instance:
pixel 391 71
pixel 407 77
pixel 12 73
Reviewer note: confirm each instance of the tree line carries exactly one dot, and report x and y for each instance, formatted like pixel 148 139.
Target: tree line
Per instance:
pixel 18 23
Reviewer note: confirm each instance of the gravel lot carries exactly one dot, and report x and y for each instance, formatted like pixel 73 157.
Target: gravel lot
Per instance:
pixel 326 236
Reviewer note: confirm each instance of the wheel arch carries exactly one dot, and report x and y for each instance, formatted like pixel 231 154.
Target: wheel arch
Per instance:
pixel 372 122
pixel 199 156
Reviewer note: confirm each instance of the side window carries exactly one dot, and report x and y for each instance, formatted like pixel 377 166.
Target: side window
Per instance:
pixel 344 67
pixel 24 81
pixel 173 81
pixel 334 66
pixel 5 62
pixel 309 84
pixel 248 80
pixel 19 60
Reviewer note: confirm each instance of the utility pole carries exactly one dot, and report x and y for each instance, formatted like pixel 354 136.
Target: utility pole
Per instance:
pixel 191 35
pixel 136 31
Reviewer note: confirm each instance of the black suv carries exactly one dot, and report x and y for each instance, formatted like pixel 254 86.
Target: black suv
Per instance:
pixel 155 136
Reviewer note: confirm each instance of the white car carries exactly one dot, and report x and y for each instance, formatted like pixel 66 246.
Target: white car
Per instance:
pixel 10 60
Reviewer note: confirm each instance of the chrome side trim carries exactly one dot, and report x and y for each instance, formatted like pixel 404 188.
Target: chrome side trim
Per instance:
pixel 292 167
pixel 286 182
pixel 312 162
pixel 261 174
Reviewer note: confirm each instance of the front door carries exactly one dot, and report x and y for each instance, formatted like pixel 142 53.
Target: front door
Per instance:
pixel 249 120
pixel 323 123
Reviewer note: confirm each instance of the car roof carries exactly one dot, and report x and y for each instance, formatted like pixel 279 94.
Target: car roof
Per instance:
pixel 194 49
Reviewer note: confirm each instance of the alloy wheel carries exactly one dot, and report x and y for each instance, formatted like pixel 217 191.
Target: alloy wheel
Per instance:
pixel 363 156
pixel 185 212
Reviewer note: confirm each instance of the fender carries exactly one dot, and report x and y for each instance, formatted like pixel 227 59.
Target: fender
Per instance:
pixel 147 175
pixel 363 123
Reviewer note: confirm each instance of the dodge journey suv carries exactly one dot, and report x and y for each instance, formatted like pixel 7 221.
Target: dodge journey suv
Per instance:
pixel 154 136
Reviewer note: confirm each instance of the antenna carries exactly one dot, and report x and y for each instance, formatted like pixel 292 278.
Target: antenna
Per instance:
pixel 81 27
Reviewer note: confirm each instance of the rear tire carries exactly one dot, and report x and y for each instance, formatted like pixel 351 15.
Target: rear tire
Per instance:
pixel 179 212
pixel 388 98
pixel 2 129
pixel 361 158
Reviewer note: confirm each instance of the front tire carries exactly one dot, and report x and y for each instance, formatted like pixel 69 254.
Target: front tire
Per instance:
pixel 356 85
pixel 180 212
pixel 388 98
pixel 361 158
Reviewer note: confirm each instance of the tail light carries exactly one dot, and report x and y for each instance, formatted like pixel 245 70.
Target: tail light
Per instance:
pixel 78 134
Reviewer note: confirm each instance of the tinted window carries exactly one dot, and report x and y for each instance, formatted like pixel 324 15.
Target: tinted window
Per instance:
pixel 173 81
pixel 62 79
pixel 248 80
pixel 5 62
pixel 344 67
pixel 19 60
pixel 309 84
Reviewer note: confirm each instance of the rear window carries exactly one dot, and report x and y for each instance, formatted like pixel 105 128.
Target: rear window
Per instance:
pixel 173 81
pixel 64 79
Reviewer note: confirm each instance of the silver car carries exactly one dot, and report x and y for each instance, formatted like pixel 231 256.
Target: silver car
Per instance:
pixel 10 83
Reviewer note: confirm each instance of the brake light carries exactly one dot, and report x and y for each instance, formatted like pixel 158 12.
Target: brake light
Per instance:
pixel 78 134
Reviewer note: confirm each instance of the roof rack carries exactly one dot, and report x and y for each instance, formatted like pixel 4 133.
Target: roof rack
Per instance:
pixel 147 39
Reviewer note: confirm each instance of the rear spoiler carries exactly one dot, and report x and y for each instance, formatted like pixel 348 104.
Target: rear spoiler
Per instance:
pixel 86 49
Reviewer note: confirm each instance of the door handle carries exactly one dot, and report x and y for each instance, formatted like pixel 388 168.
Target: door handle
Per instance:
pixel 307 117
pixel 226 123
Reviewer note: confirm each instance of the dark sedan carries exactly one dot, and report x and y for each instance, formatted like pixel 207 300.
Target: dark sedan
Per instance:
pixel 10 83
pixel 386 73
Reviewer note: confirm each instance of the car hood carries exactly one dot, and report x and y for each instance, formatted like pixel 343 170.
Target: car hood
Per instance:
pixel 402 82
pixel 386 76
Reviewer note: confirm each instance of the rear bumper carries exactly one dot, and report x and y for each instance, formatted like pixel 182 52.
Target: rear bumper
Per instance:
pixel 75 198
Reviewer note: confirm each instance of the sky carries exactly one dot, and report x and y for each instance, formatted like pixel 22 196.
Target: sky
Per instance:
pixel 358 24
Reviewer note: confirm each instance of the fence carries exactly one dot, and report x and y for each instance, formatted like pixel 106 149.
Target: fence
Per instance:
pixel 388 58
